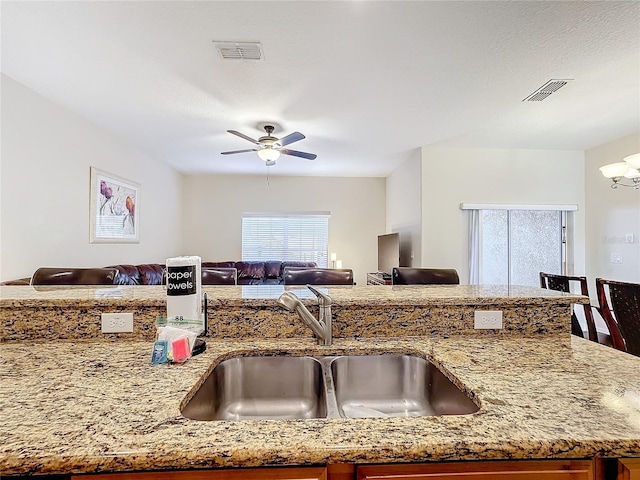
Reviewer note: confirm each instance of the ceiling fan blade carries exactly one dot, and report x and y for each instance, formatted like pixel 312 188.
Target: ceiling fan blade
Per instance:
pixel 292 137
pixel 296 153
pixel 242 135
pixel 240 151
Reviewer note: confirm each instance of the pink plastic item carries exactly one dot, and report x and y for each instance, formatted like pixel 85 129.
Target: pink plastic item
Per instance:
pixel 180 349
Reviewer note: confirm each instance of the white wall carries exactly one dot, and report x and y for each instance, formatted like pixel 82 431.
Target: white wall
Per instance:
pixel 214 204
pixel 404 208
pixel 46 154
pixel 451 176
pixel 611 215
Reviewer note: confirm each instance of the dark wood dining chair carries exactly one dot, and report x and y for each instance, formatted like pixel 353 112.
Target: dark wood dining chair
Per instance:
pixel 424 276
pixel 564 283
pixel 620 307
pixel 317 276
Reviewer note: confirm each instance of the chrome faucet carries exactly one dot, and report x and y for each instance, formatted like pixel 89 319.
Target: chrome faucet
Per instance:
pixel 322 326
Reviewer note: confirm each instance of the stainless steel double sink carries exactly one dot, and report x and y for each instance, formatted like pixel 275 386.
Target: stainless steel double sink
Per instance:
pixel 350 386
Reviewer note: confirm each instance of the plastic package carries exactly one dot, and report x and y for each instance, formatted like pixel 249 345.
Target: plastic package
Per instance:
pixel 179 341
pixel 160 351
pixel 180 350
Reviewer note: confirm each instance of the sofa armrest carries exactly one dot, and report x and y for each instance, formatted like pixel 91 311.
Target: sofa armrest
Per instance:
pixel 74 276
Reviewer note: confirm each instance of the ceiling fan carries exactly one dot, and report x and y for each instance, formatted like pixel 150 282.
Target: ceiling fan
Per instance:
pixel 270 148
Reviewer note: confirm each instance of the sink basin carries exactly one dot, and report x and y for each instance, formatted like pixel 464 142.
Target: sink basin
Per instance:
pixel 246 388
pixel 362 386
pixel 395 386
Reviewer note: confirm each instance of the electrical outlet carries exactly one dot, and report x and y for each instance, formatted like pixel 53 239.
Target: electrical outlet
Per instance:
pixel 117 322
pixel 616 258
pixel 487 319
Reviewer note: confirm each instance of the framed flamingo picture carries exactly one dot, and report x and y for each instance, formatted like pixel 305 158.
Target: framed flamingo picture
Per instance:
pixel 114 208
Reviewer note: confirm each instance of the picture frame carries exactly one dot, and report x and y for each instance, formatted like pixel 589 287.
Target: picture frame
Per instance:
pixel 114 208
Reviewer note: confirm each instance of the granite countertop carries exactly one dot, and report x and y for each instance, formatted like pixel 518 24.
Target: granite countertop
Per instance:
pixel 94 406
pixel 71 313
pixel 264 295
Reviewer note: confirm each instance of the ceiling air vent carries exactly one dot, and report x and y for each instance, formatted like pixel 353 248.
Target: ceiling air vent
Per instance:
pixel 546 90
pixel 240 50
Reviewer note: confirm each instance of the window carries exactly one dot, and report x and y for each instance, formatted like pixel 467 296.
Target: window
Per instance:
pixel 512 244
pixel 295 237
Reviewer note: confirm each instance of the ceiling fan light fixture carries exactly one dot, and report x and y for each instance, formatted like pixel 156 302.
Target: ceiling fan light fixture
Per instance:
pixel 269 154
pixel 270 148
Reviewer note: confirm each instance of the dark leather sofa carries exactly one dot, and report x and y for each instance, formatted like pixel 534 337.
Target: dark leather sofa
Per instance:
pixel 213 273
pixel 269 272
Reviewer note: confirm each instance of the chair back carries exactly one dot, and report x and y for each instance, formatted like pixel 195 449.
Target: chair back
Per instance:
pixel 563 283
pixel 424 276
pixel 620 306
pixel 318 276
pixel 74 276
pixel 219 276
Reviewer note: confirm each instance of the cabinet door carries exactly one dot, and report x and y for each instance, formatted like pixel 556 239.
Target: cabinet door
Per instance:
pixel 275 473
pixel 507 470
pixel 629 469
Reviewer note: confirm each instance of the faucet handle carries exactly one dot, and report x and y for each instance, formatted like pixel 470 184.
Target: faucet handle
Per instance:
pixel 323 298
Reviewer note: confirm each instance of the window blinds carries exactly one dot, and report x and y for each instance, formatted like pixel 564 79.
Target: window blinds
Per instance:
pixel 300 238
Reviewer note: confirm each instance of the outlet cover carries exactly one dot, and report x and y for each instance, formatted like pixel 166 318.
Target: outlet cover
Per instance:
pixel 616 258
pixel 117 322
pixel 487 319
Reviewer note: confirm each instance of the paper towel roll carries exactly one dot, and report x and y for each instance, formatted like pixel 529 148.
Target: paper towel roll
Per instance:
pixel 184 287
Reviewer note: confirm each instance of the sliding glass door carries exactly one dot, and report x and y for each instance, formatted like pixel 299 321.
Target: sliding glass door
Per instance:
pixel 514 246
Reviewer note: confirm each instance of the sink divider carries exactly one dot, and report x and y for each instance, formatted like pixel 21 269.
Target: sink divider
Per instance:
pixel 329 386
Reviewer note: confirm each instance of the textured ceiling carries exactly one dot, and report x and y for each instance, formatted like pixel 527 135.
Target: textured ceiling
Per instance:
pixel 367 82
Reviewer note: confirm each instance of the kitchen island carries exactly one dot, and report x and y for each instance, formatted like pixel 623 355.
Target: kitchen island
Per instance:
pixel 95 404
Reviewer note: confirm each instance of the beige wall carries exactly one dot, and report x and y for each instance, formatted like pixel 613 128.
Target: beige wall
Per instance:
pixel 46 153
pixel 214 204
pixel 46 156
pixel 404 208
pixel 612 214
pixel 451 176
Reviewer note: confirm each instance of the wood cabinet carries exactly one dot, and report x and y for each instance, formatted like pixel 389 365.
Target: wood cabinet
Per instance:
pixel 270 473
pixel 629 469
pixel 490 470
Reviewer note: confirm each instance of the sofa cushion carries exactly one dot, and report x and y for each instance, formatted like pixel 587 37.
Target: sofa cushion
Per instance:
pixel 250 270
pixel 152 273
pixel 218 264
pixel 127 275
pixel 144 274
pixel 272 269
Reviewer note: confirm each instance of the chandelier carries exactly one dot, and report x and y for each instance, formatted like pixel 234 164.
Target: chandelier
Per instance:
pixel 628 169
